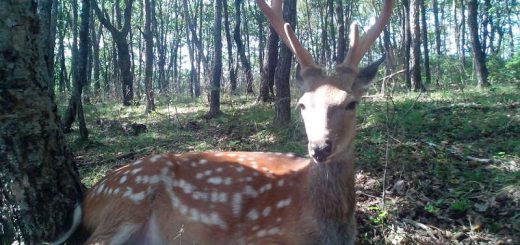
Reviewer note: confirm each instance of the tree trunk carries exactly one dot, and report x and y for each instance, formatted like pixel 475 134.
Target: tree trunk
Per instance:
pixel 227 29
pixel 415 56
pixel 40 184
pixel 283 72
pixel 407 42
pixel 214 108
pixel 79 77
pixel 96 37
pixel 47 11
pixel 424 33
pixel 148 70
pixel 479 57
pixel 241 48
pixel 269 67
pixel 342 47
pixel 123 53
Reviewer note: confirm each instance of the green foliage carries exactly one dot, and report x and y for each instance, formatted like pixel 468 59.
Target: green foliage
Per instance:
pixel 513 66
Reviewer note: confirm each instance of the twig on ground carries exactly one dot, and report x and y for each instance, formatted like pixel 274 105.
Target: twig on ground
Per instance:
pixel 461 156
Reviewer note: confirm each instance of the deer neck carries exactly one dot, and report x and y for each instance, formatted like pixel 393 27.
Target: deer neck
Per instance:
pixel 331 187
pixel 332 197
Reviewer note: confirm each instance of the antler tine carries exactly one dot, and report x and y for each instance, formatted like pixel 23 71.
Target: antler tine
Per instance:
pixel 285 32
pixel 358 48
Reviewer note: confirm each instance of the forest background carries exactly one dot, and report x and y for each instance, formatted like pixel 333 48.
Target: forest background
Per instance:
pixel 438 142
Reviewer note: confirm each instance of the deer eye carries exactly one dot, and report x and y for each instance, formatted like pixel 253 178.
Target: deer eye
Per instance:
pixel 351 106
pixel 301 106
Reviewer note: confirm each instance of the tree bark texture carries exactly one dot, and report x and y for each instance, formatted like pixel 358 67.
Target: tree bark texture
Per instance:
pixel 415 56
pixel 283 72
pixel 269 67
pixel 424 34
pixel 121 43
pixel 148 70
pixel 479 58
pixel 214 108
pixel 241 48
pixel 39 182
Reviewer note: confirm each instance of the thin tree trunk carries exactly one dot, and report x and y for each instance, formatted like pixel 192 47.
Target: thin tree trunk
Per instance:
pixel 214 108
pixel 269 68
pixel 148 70
pixel 241 48
pixel 341 49
pixel 407 42
pixel 424 33
pixel 415 57
pixel 479 57
pixel 232 71
pixel 123 52
pixel 283 72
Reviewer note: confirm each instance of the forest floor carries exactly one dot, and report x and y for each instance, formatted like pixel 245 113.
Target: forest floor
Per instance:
pixel 432 168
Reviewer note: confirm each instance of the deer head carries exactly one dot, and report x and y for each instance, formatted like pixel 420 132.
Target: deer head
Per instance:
pixel 329 102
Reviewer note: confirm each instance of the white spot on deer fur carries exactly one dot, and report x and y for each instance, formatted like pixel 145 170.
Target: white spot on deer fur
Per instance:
pixel 278 153
pixel 193 164
pixel 165 171
pixel 169 163
pixel 203 161
pixel 99 189
pixel 124 233
pixel 219 154
pixel 240 169
pixel 155 158
pixel 136 170
pixel 138 179
pixel 215 180
pixel 241 159
pixel 154 179
pixel 200 195
pixel 255 173
pixel 137 197
pixel 194 215
pixel 278 220
pixel 116 191
pixel 283 203
pixel 273 231
pixel 146 179
pixel 199 175
pixel 127 171
pixel 231 155
pixel 253 214
pixel 256 227
pixel 248 190
pixel 280 182
pixel 183 209
pixel 290 154
pixel 265 188
pixel 123 179
pixel 222 197
pixel 214 196
pixel 236 204
pixel 138 162
pixel 227 181
pixel 266 211
pixel 128 192
pixel 208 172
pixel 261 233
pixel 219 170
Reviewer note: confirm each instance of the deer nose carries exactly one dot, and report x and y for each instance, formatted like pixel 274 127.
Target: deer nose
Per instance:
pixel 320 152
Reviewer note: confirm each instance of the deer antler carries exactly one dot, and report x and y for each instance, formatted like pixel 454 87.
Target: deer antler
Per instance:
pixel 285 32
pixel 359 48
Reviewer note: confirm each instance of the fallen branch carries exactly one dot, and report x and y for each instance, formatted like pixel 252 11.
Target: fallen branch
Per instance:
pixel 457 154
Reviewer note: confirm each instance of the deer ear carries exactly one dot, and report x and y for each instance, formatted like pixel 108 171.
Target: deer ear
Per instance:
pixel 306 76
pixel 365 77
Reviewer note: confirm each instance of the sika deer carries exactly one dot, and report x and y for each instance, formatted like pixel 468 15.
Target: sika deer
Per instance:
pixel 248 197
